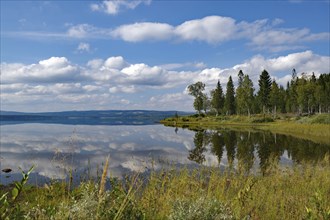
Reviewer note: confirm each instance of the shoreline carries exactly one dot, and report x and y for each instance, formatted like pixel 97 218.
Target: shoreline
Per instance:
pixel 316 132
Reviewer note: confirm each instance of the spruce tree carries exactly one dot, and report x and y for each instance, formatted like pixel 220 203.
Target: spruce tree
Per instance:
pixel 230 97
pixel 274 97
pixel 217 98
pixel 240 94
pixel 264 90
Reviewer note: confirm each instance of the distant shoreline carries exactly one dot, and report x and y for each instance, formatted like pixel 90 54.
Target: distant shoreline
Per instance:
pixel 93 117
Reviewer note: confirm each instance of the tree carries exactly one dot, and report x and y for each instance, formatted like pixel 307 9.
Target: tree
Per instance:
pixel 274 97
pixel 230 97
pixel 248 90
pixel 322 92
pixel 217 98
pixel 240 78
pixel 306 88
pixel 292 93
pixel 196 90
pixel 264 90
pixel 282 99
pixel 206 103
pixel 240 93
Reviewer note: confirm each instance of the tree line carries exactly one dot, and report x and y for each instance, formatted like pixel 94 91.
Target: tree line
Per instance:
pixel 304 94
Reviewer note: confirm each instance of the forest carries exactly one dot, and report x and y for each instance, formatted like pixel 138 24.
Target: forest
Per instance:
pixel 304 94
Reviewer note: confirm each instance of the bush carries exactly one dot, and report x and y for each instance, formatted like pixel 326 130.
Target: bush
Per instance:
pixel 202 208
pixel 262 120
pixel 185 119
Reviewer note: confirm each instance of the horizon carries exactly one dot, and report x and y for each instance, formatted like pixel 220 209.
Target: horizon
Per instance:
pixel 91 110
pixel 128 55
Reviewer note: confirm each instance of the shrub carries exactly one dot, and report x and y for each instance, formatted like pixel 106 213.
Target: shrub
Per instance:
pixel 262 120
pixel 202 208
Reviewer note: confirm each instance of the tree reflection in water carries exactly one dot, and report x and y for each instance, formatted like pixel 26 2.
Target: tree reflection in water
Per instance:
pixel 249 146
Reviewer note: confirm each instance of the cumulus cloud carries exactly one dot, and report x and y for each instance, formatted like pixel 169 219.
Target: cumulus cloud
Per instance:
pixel 212 29
pixel 56 83
pixel 113 7
pixel 115 63
pixel 54 69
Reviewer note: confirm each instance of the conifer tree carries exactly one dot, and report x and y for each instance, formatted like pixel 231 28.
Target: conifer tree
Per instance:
pixel 217 98
pixel 240 94
pixel 230 97
pixel 264 90
pixel 274 97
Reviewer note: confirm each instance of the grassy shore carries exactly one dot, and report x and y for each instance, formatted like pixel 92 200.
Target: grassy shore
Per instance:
pixel 301 192
pixel 315 128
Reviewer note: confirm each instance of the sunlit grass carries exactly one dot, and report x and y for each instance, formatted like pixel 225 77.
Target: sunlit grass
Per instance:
pixel 301 192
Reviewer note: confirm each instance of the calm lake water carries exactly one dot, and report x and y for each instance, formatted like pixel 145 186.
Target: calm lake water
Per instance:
pixel 56 149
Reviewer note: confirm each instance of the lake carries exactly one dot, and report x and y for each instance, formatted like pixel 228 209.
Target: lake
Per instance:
pixel 56 149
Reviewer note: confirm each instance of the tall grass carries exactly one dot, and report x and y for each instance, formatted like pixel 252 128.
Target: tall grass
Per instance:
pixel 301 192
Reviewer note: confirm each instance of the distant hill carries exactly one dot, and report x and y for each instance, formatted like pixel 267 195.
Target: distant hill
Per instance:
pixel 105 117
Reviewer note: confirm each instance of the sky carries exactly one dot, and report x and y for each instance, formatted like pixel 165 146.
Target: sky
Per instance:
pixel 142 54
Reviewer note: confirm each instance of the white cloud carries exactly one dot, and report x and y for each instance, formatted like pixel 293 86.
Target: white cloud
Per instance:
pixel 115 63
pixel 261 34
pixel 123 89
pixel 211 29
pixel 113 7
pixel 143 31
pixel 54 69
pixel 57 84
pixel 83 47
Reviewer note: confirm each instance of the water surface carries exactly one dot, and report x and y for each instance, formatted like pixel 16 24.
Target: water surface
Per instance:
pixel 56 149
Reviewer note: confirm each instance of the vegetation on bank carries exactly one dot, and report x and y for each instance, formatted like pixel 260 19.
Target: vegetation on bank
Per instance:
pixel 313 127
pixel 301 192
pixel 306 94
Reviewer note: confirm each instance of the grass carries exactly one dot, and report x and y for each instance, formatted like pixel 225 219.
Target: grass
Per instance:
pixel 315 127
pixel 301 192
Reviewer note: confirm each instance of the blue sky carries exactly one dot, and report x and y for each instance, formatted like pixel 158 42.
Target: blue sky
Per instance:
pixel 80 55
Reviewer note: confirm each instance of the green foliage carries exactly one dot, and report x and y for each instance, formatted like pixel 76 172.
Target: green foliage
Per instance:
pixel 275 97
pixel 264 89
pixel 315 119
pixel 9 209
pixel 196 90
pixel 217 98
pixel 304 94
pixel 317 208
pixel 262 120
pixel 230 98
